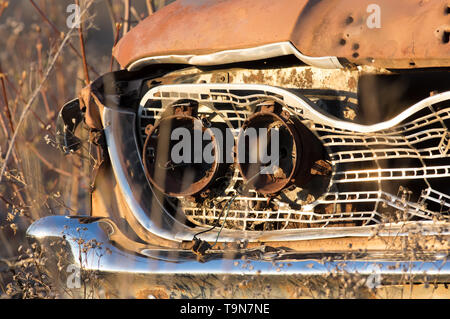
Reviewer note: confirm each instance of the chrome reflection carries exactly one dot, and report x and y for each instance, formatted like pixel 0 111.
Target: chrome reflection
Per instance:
pixel 109 258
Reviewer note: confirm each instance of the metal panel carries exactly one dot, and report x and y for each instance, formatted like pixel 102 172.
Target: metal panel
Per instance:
pixel 411 33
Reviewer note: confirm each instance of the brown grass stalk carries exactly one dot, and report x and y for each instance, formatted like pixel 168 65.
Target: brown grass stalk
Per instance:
pixel 112 16
pixel 3 6
pixel 135 14
pixel 149 4
pixel 46 162
pixel 126 19
pixel 5 100
pixel 116 39
pixel 43 91
pixel 56 31
pixel 36 92
pixel 83 50
pixel 3 125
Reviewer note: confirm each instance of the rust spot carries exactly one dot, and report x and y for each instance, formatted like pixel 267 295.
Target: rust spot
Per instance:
pixel 445 37
pixel 167 176
pixel 351 84
pixel 303 79
pixel 349 20
pixel 164 33
pixel 253 24
pixel 155 293
pixel 308 78
pixel 255 77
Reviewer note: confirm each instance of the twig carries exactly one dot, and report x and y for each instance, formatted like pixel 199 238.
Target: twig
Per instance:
pixel 43 92
pixel 74 187
pixel 5 130
pixel 47 163
pixel 20 98
pixel 3 6
pixel 5 100
pixel 6 201
pixel 149 7
pixel 116 39
pixel 83 49
pixel 112 16
pixel 126 4
pixel 10 122
pixel 36 92
pixel 135 14
pixel 56 31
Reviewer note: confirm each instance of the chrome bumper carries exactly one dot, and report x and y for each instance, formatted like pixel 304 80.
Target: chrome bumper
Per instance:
pixel 87 244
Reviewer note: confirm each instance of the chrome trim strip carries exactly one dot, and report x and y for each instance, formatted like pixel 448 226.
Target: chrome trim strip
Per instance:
pixel 310 111
pixel 116 121
pixel 49 229
pixel 111 129
pixel 240 55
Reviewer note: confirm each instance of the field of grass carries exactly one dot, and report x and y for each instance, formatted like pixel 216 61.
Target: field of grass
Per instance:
pixel 43 64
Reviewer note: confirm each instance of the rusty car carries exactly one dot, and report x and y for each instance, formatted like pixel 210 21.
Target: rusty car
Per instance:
pixel 358 204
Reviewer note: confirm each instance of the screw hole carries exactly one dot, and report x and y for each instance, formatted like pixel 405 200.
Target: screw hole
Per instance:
pixel 349 20
pixel 342 42
pixel 447 10
pixel 355 55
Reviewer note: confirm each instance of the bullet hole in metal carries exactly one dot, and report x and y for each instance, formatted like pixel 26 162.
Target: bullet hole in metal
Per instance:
pixel 446 37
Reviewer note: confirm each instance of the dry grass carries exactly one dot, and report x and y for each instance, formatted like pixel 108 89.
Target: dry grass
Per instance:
pixel 39 180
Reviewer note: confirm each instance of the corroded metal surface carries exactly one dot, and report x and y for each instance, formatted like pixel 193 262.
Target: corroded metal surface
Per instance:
pixel 178 179
pixel 409 34
pixel 204 26
pixel 294 159
pixel 359 183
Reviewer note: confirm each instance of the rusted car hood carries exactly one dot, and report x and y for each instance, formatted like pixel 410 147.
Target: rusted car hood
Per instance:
pixel 205 26
pixel 411 33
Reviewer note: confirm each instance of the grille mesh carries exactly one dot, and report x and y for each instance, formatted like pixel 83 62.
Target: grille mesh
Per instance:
pixel 400 171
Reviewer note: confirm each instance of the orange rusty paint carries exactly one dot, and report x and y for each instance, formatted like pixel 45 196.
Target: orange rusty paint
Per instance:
pixel 413 33
pixel 154 293
pixel 207 26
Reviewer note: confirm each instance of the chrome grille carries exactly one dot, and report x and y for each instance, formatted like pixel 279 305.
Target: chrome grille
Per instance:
pixel 368 183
